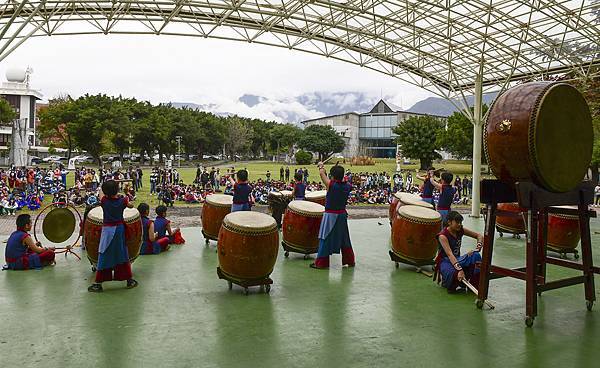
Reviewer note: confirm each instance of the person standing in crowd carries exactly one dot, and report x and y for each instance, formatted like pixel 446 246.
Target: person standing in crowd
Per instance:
pixel 281 174
pixel 268 176
pixel 409 182
pixel 140 175
pixel 465 185
pixel 217 180
pixel 204 179
pixel 287 174
pixel 153 181
pixel 597 195
pixel 470 186
pixel 305 173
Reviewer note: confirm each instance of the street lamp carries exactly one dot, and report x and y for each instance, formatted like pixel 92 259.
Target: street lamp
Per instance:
pixel 178 150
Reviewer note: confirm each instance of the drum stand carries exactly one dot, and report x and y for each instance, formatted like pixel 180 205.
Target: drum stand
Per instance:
pixel 208 238
pixel 265 282
pixel 395 257
pixel 538 203
pixel 291 248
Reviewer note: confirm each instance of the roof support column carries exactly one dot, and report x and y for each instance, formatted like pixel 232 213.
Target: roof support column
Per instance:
pixel 477 141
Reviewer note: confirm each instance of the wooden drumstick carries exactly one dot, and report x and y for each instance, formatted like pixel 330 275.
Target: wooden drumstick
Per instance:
pixel 476 292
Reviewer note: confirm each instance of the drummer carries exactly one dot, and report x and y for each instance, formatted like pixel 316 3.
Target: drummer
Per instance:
pixel 22 252
pixel 162 226
pixel 242 192
pixel 151 244
pixel 428 186
pixel 299 187
pixel 333 233
pixel 447 192
pixel 112 252
pixel 450 267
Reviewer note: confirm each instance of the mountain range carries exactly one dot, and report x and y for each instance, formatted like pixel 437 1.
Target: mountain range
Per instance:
pixel 317 104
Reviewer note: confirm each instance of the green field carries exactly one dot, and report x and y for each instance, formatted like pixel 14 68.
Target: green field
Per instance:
pixel 258 169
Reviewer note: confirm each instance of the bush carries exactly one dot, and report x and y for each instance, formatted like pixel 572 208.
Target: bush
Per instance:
pixel 303 158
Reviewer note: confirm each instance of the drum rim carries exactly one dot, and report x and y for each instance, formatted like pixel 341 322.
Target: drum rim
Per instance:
pixel 218 204
pixel 419 203
pixel 100 221
pixel 419 220
pixel 313 194
pixel 241 229
pixel 307 212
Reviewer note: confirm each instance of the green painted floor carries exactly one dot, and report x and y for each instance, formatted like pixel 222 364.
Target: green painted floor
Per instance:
pixel 375 315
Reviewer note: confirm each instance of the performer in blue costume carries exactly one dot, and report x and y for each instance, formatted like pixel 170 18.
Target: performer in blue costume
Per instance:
pixel 22 252
pixel 151 244
pixel 447 192
pixel 112 251
pixel 450 267
pixel 427 192
pixel 333 234
pixel 299 187
pixel 242 192
pixel 162 226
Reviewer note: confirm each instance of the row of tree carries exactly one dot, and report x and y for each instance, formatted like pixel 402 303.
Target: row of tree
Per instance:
pixel 102 124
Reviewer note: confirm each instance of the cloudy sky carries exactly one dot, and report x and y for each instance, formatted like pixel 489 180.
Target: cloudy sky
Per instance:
pixel 280 84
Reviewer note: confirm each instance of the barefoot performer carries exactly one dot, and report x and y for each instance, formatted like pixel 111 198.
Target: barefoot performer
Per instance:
pixel 22 252
pixel 333 233
pixel 112 252
pixel 151 244
pixel 450 267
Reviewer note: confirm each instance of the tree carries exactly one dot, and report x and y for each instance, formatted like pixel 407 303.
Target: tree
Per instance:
pixel 56 122
pixel 7 113
pixel 417 137
pixel 238 137
pixel 92 117
pixel 321 139
pixel 283 137
pixel 303 157
pixel 457 138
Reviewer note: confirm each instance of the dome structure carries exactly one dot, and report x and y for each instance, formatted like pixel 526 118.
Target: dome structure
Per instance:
pixel 16 74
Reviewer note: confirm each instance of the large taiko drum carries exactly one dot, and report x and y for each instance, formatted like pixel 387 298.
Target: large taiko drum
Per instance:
pixel 563 232
pixel 403 199
pixel 247 246
pixel 414 233
pixel 317 196
pixel 301 224
pixel 215 208
pixel 93 229
pixel 511 222
pixel 540 132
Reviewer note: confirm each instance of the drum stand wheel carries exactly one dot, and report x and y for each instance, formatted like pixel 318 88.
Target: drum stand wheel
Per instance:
pixel 290 248
pixel 207 238
pixel 529 321
pixel 286 254
pixel 589 304
pixel 246 284
pixel 479 304
pixel 94 269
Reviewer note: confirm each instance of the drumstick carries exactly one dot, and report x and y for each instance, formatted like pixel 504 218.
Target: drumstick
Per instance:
pixel 474 291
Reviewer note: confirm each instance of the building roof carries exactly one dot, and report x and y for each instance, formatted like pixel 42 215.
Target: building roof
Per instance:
pixel 329 117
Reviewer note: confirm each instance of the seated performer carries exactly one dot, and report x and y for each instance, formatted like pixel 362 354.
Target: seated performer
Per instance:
pixel 242 192
pixel 22 252
pixel 299 187
pixel 150 243
pixel 447 192
pixel 162 226
pixel 112 252
pixel 450 267
pixel 333 233
pixel 427 192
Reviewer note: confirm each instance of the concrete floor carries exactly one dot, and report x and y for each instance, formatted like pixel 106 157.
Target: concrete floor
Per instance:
pixel 375 315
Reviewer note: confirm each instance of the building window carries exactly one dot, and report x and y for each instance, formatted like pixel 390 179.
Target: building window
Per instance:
pixel 4 139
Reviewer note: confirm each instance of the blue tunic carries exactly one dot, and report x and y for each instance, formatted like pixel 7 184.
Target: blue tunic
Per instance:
pixel 427 189
pixel 299 190
pixel 16 254
pixel 467 262
pixel 333 232
pixel 160 226
pixel 148 246
pixel 112 250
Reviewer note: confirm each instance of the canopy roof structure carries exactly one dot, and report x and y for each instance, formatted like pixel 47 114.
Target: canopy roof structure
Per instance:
pixel 438 45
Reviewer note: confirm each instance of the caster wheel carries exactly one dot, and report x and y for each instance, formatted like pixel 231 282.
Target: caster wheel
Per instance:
pixel 479 303
pixel 286 254
pixel 576 256
pixel 529 321
pixel 94 269
pixel 589 305
pixel 501 235
pixel 207 242
pixel 397 264
pixel 306 257
pixel 267 289
pixel 246 291
pixel 230 285
pixel 518 236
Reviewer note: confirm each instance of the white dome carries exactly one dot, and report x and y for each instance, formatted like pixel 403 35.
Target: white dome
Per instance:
pixel 16 74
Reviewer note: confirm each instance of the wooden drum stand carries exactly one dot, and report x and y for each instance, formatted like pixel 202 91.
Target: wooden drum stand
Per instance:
pixel 538 203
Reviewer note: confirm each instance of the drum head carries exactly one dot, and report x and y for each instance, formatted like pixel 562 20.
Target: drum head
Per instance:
pixel 59 225
pixel 220 200
pixel 413 200
pixel 307 207
pixel 248 221
pixel 419 213
pixel 96 215
pixel 131 214
pixel 287 193
pixel 317 194
pixel 561 138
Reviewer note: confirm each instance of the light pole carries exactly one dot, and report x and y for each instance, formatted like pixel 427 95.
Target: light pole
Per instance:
pixel 178 150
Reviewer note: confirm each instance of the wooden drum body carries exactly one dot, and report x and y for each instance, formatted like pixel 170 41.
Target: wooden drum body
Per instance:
pixel 317 196
pixel 563 232
pixel 540 132
pixel 301 224
pixel 93 229
pixel 414 233
pixel 214 210
pixel 513 222
pixel 400 199
pixel 247 246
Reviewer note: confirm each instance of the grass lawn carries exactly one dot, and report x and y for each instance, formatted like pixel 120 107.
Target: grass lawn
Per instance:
pixel 258 169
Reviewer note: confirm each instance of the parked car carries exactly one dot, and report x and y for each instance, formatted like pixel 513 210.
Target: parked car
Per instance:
pixel 83 159
pixel 35 160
